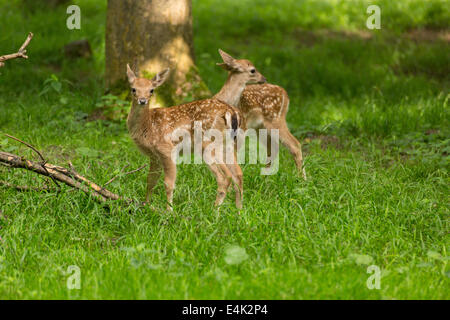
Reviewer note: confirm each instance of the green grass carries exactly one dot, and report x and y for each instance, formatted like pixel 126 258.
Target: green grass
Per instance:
pixel 370 106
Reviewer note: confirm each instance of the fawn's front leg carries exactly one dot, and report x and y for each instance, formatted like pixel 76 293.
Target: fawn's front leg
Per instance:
pixel 153 175
pixel 170 175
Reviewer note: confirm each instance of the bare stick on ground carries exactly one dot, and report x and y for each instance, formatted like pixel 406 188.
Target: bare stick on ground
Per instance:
pixel 19 54
pixel 62 175
pixel 57 173
pixel 43 161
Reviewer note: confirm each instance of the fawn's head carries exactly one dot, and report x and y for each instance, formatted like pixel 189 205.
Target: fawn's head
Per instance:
pixel 242 68
pixel 141 88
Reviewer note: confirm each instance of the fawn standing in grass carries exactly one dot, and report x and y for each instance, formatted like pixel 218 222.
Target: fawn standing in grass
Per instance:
pixel 152 131
pixel 262 106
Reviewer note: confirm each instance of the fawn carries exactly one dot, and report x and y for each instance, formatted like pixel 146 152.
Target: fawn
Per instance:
pixel 262 106
pixel 152 129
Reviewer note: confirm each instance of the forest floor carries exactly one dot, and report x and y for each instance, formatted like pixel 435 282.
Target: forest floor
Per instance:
pixel 370 107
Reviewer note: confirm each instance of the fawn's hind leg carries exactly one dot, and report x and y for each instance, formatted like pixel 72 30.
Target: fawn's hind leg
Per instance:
pixel 232 168
pixel 269 145
pixel 294 146
pixel 290 142
pixel 223 182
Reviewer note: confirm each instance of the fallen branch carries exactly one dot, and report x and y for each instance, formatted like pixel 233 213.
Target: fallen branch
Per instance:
pixel 19 54
pixel 57 173
pixel 40 156
pixel 71 173
pixel 62 175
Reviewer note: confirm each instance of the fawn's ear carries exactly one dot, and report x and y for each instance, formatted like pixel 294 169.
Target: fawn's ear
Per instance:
pixel 160 77
pixel 130 74
pixel 226 57
pixel 224 66
pixel 230 63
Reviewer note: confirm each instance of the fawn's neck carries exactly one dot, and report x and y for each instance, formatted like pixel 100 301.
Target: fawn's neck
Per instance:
pixel 138 116
pixel 232 90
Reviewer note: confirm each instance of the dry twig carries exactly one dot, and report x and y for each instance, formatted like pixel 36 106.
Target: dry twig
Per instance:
pixel 19 54
pixel 43 161
pixel 57 173
pixel 63 175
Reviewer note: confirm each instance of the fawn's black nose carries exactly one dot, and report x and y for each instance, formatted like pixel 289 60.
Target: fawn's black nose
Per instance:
pixel 263 80
pixel 142 101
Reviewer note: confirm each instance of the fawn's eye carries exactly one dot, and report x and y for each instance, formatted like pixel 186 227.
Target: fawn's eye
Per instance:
pixel 151 90
pixel 253 71
pixel 133 90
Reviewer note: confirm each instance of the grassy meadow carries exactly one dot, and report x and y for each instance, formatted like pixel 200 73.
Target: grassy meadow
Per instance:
pixel 371 108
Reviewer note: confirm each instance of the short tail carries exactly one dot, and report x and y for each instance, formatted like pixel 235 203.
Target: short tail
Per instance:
pixel 232 123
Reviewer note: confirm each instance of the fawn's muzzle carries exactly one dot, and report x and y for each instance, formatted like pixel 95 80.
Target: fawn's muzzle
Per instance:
pixel 263 80
pixel 142 101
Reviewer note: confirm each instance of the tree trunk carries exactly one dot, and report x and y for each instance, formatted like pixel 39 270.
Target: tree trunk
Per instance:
pixel 152 35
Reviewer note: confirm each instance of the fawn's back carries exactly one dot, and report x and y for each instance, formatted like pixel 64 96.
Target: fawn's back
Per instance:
pixel 267 100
